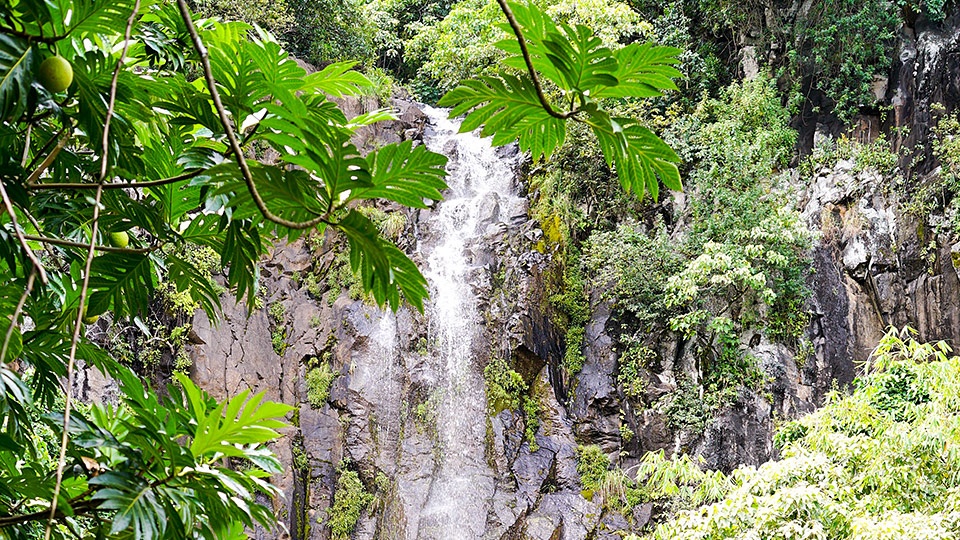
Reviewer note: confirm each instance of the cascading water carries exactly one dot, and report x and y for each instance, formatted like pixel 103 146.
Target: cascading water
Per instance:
pixel 481 191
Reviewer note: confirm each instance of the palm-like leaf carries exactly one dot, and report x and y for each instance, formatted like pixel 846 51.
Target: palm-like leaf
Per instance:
pixel 643 70
pixel 509 110
pixel 385 271
pixel 636 153
pixel 135 503
pixel 18 63
pixel 339 80
pixel 122 282
pixel 404 174
pixel 581 59
pixel 576 61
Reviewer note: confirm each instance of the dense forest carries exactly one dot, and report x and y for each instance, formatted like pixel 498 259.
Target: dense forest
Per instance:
pixel 423 269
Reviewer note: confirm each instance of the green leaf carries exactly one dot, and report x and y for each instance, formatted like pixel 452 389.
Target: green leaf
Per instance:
pixel 637 154
pixel 102 16
pixel 508 109
pixel 404 174
pixel 339 80
pixel 582 60
pixel 185 277
pixel 238 421
pixel 135 503
pixel 385 271
pixel 18 62
pixel 643 70
pixel 122 282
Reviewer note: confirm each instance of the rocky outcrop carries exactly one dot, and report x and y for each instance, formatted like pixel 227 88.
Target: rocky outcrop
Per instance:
pixel 924 84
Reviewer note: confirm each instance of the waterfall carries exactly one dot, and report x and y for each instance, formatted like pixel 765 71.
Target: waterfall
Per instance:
pixel 481 191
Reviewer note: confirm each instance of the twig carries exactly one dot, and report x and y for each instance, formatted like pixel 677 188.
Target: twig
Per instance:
pixel 68 243
pixel 47 160
pixel 48 144
pixel 231 136
pixel 8 204
pixel 26 146
pixel 529 62
pixel 85 288
pixel 81 508
pixel 16 314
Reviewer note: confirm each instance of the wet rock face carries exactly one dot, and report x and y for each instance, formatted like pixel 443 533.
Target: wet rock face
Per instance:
pixel 926 74
pixel 876 266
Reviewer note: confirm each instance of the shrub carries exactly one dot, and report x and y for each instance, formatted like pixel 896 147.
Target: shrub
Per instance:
pixel 857 468
pixel 505 387
pixel 592 465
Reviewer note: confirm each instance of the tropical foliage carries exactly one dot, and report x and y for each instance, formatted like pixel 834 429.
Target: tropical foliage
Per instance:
pixel 140 144
pixel 513 107
pixel 146 157
pixel 880 463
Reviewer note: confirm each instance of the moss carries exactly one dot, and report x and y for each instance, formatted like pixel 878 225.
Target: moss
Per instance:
pixel 573 355
pixel 278 338
pixel 505 387
pixel 592 465
pixel 319 380
pixel 350 499
pixel 531 421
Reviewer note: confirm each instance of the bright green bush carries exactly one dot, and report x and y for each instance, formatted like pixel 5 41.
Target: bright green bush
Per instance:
pixel 635 265
pixel 505 387
pixel 882 463
pixel 461 45
pixel 592 465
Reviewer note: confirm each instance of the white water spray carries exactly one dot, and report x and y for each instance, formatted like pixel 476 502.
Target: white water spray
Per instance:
pixel 481 194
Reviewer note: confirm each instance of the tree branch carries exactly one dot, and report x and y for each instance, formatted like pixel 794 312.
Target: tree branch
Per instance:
pixel 29 37
pixel 231 136
pixel 530 69
pixel 68 243
pixel 82 507
pixel 117 185
pixel 47 160
pixel 8 204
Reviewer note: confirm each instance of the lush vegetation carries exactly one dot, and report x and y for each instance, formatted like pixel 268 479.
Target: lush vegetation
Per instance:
pixel 132 126
pixel 131 179
pixel 880 463
pixel 126 167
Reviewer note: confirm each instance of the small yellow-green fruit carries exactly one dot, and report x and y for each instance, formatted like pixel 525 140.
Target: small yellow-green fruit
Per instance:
pixel 119 239
pixel 55 74
pixel 91 319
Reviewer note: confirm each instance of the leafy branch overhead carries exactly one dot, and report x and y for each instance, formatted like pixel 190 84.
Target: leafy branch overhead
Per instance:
pixel 584 72
pixel 111 179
